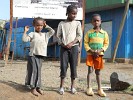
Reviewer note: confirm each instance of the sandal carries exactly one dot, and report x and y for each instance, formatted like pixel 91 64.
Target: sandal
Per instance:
pixel 61 91
pixel 73 91
pixel 101 93
pixel 89 92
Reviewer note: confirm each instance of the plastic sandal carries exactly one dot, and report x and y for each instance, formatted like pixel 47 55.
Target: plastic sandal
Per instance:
pixel 89 92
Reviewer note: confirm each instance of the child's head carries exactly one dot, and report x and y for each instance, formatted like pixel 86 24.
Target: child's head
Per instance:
pixel 38 23
pixel 71 12
pixel 96 20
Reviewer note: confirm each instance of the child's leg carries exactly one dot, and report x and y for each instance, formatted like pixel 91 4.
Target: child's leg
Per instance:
pixel 62 82
pixel 72 83
pixel 61 90
pixel 98 78
pixel 34 92
pixel 90 70
pixel 73 90
pixel 89 89
pixel 73 55
pixel 97 72
pixel 63 67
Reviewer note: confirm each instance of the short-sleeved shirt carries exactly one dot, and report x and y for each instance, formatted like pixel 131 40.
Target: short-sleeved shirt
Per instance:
pixel 38 41
pixel 68 31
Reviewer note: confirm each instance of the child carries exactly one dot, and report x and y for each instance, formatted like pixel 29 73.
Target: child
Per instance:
pixel 96 41
pixel 38 49
pixel 69 33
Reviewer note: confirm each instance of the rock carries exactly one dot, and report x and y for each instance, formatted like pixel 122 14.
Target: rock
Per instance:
pixel 119 81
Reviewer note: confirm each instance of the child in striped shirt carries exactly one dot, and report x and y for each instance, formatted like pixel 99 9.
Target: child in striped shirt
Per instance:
pixel 96 42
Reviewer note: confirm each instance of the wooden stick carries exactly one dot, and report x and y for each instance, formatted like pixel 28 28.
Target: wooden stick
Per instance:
pixel 120 29
pixel 79 55
pixel 10 34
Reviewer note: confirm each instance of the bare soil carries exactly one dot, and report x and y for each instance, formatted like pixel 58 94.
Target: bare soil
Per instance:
pixel 12 79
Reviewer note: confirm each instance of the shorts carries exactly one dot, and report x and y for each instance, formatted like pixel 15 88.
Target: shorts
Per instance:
pixel 97 63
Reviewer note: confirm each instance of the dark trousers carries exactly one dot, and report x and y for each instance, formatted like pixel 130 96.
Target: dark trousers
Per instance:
pixel 33 77
pixel 68 56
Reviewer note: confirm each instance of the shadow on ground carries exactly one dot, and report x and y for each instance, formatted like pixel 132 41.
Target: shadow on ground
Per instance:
pixel 16 86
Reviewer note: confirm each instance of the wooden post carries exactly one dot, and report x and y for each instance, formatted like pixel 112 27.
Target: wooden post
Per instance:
pixel 10 34
pixel 79 55
pixel 14 39
pixel 120 29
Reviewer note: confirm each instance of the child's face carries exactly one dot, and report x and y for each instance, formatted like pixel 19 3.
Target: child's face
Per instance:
pixel 72 15
pixel 96 21
pixel 39 25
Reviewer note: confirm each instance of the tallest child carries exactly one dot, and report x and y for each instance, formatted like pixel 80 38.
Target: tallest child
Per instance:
pixel 69 34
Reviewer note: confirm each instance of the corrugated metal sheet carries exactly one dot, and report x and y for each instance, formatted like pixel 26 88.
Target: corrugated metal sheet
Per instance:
pixel 129 35
pixel 93 5
pixel 99 3
pixel 115 15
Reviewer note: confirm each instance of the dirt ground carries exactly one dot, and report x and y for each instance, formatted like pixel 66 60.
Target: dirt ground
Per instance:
pixel 12 78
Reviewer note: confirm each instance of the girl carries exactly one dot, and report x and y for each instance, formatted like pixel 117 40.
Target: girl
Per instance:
pixel 96 42
pixel 69 33
pixel 38 49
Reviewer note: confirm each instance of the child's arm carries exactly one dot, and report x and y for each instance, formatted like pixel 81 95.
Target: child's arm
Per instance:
pixel 86 44
pixel 106 42
pixel 26 37
pixel 59 35
pixel 79 33
pixel 50 31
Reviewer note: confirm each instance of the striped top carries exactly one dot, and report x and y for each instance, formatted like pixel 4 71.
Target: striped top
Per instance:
pixel 96 40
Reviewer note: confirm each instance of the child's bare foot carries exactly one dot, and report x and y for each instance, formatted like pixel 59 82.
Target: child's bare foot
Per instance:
pixel 39 91
pixel 34 92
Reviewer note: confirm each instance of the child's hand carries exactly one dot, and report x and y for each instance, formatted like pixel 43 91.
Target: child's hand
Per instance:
pixel 95 54
pixel 26 28
pixel 64 46
pixel 92 51
pixel 99 51
pixel 69 46
pixel 44 24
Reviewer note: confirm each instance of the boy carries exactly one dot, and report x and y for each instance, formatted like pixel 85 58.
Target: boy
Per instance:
pixel 96 42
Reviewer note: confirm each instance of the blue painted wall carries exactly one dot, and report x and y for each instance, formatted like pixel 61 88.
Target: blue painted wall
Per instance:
pixel 129 35
pixel 115 15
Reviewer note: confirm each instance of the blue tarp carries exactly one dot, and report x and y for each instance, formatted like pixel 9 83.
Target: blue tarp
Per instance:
pixel 21 23
pixel 28 21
